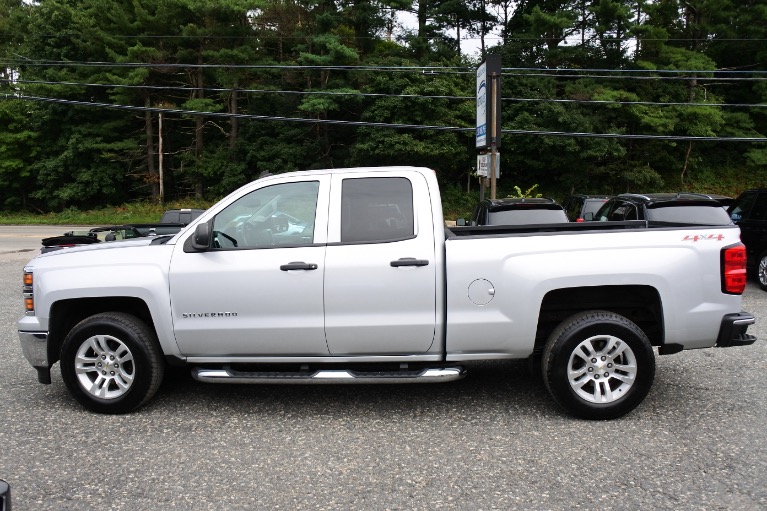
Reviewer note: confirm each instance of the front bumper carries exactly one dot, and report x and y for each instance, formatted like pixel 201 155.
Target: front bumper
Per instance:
pixel 34 345
pixel 733 330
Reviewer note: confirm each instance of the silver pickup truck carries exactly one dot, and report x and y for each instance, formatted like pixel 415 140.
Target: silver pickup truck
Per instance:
pixel 350 276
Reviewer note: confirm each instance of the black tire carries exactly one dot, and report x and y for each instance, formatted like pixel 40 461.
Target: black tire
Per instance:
pixel 112 363
pixel 761 271
pixel 612 363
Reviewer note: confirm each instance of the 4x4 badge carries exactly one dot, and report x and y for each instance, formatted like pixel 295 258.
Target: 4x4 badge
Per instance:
pixel 698 237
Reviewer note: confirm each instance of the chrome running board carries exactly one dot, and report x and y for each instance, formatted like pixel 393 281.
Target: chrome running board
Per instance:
pixel 325 376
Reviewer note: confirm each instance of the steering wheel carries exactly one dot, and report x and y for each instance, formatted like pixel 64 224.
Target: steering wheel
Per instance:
pixel 255 237
pixel 280 224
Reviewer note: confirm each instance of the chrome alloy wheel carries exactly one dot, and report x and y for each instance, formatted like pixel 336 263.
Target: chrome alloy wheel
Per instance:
pixel 761 271
pixel 104 367
pixel 602 369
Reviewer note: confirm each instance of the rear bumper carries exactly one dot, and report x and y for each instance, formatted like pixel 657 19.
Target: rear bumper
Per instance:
pixel 733 330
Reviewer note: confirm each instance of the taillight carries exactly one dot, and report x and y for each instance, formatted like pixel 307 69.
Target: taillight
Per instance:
pixel 734 269
pixel 29 299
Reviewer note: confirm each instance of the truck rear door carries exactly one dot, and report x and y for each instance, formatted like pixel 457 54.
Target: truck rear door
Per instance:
pixel 380 268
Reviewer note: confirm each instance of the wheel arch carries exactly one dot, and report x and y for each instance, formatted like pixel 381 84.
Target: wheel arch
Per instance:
pixel 640 304
pixel 65 314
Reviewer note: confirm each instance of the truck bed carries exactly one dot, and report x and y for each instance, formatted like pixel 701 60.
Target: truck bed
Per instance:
pixel 560 228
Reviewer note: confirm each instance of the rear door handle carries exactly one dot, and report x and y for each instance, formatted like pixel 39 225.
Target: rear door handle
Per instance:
pixel 409 261
pixel 298 265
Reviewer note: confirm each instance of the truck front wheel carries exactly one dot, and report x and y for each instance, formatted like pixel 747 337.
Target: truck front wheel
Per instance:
pixel 598 365
pixel 111 363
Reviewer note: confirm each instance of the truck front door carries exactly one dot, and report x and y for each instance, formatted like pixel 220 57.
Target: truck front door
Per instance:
pixel 258 291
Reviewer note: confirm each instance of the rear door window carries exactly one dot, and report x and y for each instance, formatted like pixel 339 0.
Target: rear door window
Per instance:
pixel 759 211
pixel 377 209
pixel 623 211
pixel 741 210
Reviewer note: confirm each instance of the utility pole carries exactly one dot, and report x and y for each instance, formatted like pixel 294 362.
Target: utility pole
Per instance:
pixel 493 136
pixel 488 131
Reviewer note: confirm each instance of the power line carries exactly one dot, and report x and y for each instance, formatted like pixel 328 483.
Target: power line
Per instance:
pixel 289 67
pixel 506 71
pixel 384 125
pixel 554 74
pixel 197 113
pixel 262 35
pixel 383 95
pixel 629 103
pixel 633 71
pixel 256 91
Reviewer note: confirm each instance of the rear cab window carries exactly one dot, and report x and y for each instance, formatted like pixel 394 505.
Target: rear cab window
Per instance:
pixel 527 216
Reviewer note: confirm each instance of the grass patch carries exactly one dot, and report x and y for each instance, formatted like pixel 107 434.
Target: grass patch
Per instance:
pixel 135 213
pixel 456 204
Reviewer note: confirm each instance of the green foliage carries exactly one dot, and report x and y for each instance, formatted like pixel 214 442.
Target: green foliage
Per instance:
pixel 113 215
pixel 456 202
pixel 57 156
pixel 519 194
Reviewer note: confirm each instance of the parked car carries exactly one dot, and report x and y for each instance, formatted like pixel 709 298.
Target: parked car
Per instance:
pixel 578 205
pixel 749 211
pixel 516 211
pixel 172 222
pixel 180 216
pixel 682 207
pixel 724 200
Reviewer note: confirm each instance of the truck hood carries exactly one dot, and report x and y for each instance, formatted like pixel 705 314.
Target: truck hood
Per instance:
pixel 106 245
pixel 128 255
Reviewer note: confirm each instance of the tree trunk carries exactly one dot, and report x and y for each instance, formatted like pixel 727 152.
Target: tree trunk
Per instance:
pixel 423 39
pixel 686 163
pixel 235 122
pixel 482 30
pixel 458 34
pixel 199 123
pixel 150 152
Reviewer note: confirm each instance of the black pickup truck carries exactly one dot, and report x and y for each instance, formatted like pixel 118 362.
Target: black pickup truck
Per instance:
pixel 172 221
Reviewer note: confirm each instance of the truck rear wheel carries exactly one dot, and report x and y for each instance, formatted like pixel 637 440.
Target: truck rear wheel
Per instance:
pixel 111 363
pixel 598 365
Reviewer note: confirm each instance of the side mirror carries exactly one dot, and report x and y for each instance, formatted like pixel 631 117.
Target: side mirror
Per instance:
pixel 201 238
pixel 461 222
pixel 588 217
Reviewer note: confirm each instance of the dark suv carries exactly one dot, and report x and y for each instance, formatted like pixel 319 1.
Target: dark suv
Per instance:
pixel 688 208
pixel 514 211
pixel 749 211
pixel 578 205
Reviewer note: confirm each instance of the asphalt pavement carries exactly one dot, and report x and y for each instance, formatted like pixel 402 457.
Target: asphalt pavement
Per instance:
pixel 495 440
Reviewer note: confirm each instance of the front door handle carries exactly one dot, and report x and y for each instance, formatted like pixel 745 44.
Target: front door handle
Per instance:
pixel 298 265
pixel 409 261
